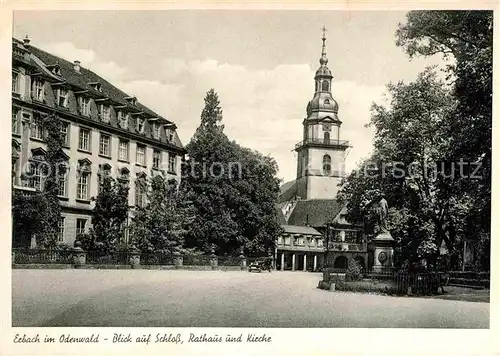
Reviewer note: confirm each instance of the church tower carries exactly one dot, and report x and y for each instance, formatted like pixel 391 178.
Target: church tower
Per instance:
pixel 321 153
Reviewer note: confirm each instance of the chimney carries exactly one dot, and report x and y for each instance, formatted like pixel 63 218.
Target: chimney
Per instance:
pixel 77 66
pixel 26 41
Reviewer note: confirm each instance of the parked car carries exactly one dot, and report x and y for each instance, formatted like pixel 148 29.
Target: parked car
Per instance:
pixel 260 265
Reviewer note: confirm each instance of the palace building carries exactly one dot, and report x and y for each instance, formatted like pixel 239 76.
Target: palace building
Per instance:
pixel 313 221
pixel 106 132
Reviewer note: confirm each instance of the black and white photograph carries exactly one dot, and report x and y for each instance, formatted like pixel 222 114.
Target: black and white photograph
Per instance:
pixel 205 168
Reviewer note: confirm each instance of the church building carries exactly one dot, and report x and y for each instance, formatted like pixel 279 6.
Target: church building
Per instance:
pixel 313 221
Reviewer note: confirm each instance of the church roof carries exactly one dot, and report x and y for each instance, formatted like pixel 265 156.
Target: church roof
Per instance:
pixel 303 230
pixel 316 212
pixel 287 191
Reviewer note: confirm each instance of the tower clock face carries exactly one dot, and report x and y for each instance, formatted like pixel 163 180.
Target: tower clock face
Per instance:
pixel 327 126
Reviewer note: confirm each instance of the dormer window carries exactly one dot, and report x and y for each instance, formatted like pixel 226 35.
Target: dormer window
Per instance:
pixel 139 125
pixel 123 120
pixel 96 86
pixel 55 69
pixel 84 105
pixel 170 134
pixel 156 130
pixel 104 113
pixel 131 100
pixel 62 97
pixel 37 89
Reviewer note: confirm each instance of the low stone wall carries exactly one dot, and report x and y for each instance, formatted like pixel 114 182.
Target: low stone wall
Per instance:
pixel 144 267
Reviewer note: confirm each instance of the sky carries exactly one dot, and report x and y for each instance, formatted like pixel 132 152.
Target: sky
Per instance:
pixel 261 64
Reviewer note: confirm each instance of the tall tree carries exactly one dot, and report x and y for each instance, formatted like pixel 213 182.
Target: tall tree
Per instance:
pixel 110 212
pixel 39 213
pixel 232 188
pixel 411 142
pixel 206 178
pixel 466 37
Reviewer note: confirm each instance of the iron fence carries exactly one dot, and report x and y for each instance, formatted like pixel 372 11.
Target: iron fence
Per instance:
pixel 108 258
pixel 36 256
pixel 157 258
pixel 196 260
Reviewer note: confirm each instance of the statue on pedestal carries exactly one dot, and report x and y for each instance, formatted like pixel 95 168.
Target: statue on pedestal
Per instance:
pixel 382 212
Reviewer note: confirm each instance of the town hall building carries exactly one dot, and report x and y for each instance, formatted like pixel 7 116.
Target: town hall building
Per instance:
pixel 315 231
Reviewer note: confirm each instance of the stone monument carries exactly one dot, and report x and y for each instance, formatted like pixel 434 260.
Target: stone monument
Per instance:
pixel 383 242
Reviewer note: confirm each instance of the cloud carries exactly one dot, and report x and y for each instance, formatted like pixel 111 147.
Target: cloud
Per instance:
pixel 263 108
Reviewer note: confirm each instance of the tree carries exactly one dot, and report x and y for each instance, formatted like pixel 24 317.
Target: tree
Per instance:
pixel 162 223
pixel 39 213
pixel 411 142
pixel 110 212
pixel 233 189
pixel 466 37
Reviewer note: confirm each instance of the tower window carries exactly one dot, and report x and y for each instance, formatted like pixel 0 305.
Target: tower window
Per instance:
pixel 325 86
pixel 327 164
pixel 326 137
pixel 327 102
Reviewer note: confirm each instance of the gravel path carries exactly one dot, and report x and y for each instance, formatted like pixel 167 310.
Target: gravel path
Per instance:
pixel 144 298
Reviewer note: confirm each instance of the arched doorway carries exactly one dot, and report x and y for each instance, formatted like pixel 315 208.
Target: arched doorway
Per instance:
pixel 340 262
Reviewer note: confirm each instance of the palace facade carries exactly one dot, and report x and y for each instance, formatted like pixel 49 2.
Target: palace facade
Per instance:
pixel 106 132
pixel 315 229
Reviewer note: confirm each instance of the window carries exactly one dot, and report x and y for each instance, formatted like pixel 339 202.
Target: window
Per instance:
pixel 84 105
pixel 170 134
pixel 63 179
pixel 104 113
pixel 104 145
pixel 171 163
pixel 325 86
pixel 327 102
pixel 287 240
pixel 37 89
pixel 319 242
pixel 123 150
pixel 280 240
pixel 65 132
pixel 122 120
pixel 326 137
pixel 35 176
pixel 140 192
pixel 327 164
pixel 15 122
pixel 141 155
pixel 82 191
pixel 156 130
pixel 60 235
pixel 156 159
pixel 80 226
pixel 62 97
pixel 84 139
pixel 37 129
pixel 140 125
pixel 15 82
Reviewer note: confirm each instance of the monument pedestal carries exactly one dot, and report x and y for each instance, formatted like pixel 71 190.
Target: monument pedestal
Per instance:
pixel 383 251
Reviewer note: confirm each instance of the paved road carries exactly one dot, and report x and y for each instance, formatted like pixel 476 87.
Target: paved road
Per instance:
pixel 124 298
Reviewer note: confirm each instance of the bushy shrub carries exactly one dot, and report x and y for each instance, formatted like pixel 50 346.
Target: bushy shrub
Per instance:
pixel 354 271
pixel 87 241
